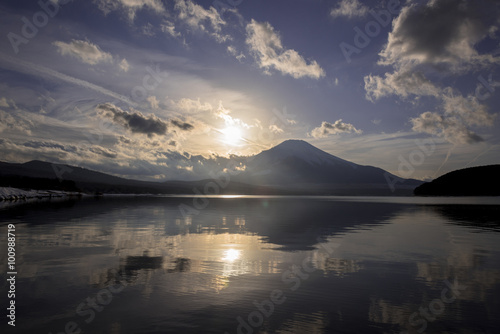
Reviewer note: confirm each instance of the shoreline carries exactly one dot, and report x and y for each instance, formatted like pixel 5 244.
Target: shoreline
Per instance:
pixel 15 194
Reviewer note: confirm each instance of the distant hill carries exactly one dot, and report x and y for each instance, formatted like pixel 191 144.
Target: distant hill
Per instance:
pixel 45 175
pixel 473 181
pixel 291 168
pixel 42 175
pixel 34 173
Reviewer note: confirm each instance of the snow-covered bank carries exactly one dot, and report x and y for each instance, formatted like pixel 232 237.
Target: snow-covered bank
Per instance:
pixel 9 194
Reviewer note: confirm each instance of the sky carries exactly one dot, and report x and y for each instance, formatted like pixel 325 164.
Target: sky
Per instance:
pixel 174 89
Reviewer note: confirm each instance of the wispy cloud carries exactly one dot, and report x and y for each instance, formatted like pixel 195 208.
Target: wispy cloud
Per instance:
pixel 8 121
pixel 131 7
pixel 238 55
pixel 200 19
pixel 402 83
pixel 176 15
pixel 190 105
pixel 153 102
pixel 124 65
pixel 229 120
pixel 84 51
pixel 35 69
pixel 326 129
pixel 168 27
pixel 349 9
pixel 4 103
pixel 265 43
pixel 460 114
pixel 148 30
pixel 197 17
pixel 275 129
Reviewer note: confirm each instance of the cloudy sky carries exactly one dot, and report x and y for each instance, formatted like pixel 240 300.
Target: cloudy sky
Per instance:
pixel 169 89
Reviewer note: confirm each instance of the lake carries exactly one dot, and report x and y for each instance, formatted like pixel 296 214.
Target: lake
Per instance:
pixel 254 265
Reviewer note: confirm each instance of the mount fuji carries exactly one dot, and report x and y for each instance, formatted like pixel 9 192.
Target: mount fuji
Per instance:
pixel 300 166
pixel 293 167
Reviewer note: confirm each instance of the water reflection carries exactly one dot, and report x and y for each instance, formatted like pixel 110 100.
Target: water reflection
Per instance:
pixel 341 266
pixel 231 255
pixel 485 217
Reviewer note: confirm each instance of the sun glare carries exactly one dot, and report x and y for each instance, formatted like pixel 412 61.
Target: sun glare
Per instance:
pixel 232 135
pixel 231 255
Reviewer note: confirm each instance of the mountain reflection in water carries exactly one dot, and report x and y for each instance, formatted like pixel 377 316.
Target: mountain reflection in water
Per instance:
pixel 341 265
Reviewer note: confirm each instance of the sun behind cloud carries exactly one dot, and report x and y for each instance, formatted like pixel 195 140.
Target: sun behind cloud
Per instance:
pixel 232 135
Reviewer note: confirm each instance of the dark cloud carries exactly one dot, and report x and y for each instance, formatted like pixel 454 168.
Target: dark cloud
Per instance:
pixel 138 123
pixel 104 152
pixel 441 32
pixel 182 125
pixel 124 140
pixel 134 121
pixel 49 145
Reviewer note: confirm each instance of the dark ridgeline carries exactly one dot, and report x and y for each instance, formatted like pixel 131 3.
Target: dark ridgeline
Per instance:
pixel 473 181
pixel 37 183
pixel 38 174
pixel 293 167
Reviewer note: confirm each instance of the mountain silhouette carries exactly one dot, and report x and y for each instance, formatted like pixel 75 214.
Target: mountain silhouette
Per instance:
pixel 300 165
pixel 292 167
pixel 473 181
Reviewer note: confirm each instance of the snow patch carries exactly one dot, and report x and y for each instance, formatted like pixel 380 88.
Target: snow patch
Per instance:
pixel 8 193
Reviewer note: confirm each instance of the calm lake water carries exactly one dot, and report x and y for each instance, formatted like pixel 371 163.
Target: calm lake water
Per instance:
pixel 255 265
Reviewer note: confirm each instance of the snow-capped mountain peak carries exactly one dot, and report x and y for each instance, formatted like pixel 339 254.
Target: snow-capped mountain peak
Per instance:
pixel 299 149
pixel 296 163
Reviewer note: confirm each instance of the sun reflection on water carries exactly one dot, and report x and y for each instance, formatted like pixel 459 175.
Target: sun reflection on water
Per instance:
pixel 231 255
